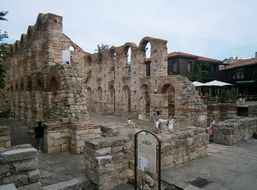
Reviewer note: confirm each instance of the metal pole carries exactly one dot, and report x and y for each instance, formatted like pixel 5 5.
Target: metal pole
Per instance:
pixel 135 160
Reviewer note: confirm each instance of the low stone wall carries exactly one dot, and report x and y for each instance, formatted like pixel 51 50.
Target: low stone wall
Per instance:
pixel 19 165
pixel 183 146
pixel 109 160
pixel 5 141
pixel 235 130
pixel 60 137
pixel 221 111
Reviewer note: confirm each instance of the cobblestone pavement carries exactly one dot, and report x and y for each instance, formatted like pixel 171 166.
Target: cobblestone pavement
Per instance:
pixel 227 167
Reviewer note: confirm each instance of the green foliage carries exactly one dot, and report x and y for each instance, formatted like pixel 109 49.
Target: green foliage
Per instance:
pixel 229 95
pixel 198 73
pixel 102 47
pixel 2 76
pixel 3 50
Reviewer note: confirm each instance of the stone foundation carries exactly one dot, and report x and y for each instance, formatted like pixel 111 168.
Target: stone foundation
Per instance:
pixel 5 141
pixel 109 160
pixel 19 165
pixel 62 137
pixel 233 131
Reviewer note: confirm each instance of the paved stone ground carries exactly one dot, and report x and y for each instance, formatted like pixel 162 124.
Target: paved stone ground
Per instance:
pixel 58 167
pixel 228 167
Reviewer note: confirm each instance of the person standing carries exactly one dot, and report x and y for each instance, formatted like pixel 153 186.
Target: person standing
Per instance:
pixel 171 124
pixel 39 135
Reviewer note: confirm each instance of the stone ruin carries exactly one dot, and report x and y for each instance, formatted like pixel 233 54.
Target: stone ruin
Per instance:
pixel 50 78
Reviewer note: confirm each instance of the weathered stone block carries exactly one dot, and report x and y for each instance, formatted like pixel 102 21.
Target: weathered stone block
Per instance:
pixel 10 186
pixel 4 170
pixel 24 165
pixel 17 153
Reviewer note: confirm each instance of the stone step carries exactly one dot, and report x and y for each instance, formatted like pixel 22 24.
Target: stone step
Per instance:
pixel 73 184
pixel 10 186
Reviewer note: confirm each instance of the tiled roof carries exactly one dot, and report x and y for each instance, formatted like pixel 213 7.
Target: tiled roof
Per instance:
pixel 199 58
pixel 241 63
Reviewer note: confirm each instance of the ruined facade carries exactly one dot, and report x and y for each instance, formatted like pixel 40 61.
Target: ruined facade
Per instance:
pixel 52 79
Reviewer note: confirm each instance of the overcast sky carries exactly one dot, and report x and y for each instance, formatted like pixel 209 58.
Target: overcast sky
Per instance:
pixel 213 28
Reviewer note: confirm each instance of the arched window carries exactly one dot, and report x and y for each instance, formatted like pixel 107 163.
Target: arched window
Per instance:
pixel 88 59
pixel 146 49
pixel 66 55
pixel 127 52
pixel 170 91
pixel 112 55
pixel 54 85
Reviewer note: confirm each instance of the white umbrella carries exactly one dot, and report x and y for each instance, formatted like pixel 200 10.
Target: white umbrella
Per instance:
pixel 216 83
pixel 196 83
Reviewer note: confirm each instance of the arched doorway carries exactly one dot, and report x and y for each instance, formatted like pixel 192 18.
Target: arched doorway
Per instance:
pixel 99 98
pixel 145 100
pixel 127 97
pixel 112 97
pixel 169 90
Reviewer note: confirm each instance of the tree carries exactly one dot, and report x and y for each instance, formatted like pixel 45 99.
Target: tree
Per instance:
pixel 198 72
pixel 3 49
pixel 102 47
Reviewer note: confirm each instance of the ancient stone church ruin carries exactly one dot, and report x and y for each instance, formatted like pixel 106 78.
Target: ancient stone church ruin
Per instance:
pixel 52 79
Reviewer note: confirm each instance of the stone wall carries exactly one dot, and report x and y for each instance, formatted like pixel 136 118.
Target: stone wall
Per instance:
pixel 109 160
pixel 236 130
pixel 183 145
pixel 112 81
pixel 221 111
pixel 61 136
pixel 19 165
pixel 5 140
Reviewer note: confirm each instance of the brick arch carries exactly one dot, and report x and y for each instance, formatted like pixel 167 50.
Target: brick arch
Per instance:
pixel 88 59
pixel 54 84
pixel 38 82
pixel 143 45
pixel 169 91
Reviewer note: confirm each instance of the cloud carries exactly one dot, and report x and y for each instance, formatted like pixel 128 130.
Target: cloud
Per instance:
pixel 220 28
